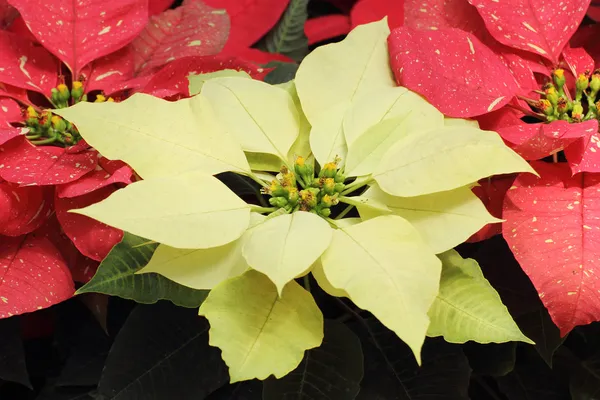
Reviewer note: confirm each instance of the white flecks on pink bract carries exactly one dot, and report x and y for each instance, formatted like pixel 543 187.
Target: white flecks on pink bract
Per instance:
pixel 452 69
pixel 23 209
pixel 33 275
pixel 109 70
pixel 553 228
pixel 578 60
pixel 584 154
pixel 25 164
pixel 80 31
pixel 539 26
pixel 194 29
pixel 172 79
pixel 24 65
pixel 105 174
pixel 92 238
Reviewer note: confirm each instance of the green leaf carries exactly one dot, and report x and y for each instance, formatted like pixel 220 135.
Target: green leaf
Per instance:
pixel 287 37
pixel 261 117
pixel 202 268
pixel 444 219
pixel 175 136
pixel 259 332
pixel 301 146
pixel 389 103
pixel 333 76
pixel 283 72
pixel 116 277
pixel 443 159
pixel 387 269
pixel 332 371
pixel 188 211
pixel 492 359
pixel 197 81
pixel 468 307
pixel 285 247
pixel 264 162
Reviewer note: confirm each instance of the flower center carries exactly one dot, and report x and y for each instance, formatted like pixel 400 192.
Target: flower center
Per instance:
pixel 556 104
pixel 303 190
pixel 46 128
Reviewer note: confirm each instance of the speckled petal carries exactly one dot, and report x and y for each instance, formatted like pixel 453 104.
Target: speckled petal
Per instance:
pixel 81 31
pixel 452 69
pixel 553 229
pixel 33 275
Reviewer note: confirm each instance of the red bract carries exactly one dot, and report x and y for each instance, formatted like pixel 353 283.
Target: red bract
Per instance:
pixel 250 20
pixel 323 28
pixel 33 275
pixel 365 11
pixel 452 69
pixel 552 226
pixel 79 32
pixel 23 209
pixel 543 27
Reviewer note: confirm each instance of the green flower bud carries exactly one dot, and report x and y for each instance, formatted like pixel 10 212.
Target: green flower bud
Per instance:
pixel 278 201
pixel 58 123
pixel 545 106
pixel 77 91
pixel 329 170
pixel 325 212
pixel 327 201
pixel 558 76
pixel 339 178
pixel 577 113
pixel 293 196
pixel 562 105
pixel 339 187
pixel 595 84
pixel 329 186
pixel 551 95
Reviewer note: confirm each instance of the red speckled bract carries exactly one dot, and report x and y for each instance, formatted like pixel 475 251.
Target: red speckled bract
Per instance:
pixel 25 65
pixel 536 141
pixel 172 79
pixel 553 228
pixel 106 173
pixel 250 19
pixel 33 275
pixel 539 26
pixel 452 69
pixel 491 192
pixel 584 154
pixel 25 164
pixel 80 31
pixel 578 60
pixel 23 209
pixel 110 70
pixel 92 238
pixel 437 14
pixel 194 29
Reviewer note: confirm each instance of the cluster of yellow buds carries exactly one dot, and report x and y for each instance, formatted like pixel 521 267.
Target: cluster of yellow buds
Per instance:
pixel 46 128
pixel 301 190
pixel 555 104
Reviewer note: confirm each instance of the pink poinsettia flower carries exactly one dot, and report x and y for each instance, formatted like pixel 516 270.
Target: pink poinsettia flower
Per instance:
pixel 509 65
pixel 81 52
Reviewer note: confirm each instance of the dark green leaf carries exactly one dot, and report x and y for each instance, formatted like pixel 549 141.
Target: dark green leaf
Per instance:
pixel 247 390
pixel 12 356
pixel 54 393
pixel 533 379
pixel 162 353
pixel 391 372
pixel 282 72
pixel 538 326
pixel 116 277
pixel 491 359
pixel 332 371
pixel 288 36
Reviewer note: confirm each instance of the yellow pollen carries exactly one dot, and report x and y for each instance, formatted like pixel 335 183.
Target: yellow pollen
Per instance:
pixel 100 98
pixel 77 85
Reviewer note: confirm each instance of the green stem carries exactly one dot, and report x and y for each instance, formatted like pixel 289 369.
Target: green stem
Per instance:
pixel 262 210
pixel 345 211
pixel 306 281
pixel 357 184
pixel 257 180
pixel 45 141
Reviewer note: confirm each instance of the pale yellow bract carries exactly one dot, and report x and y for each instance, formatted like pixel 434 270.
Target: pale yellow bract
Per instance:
pixel 343 111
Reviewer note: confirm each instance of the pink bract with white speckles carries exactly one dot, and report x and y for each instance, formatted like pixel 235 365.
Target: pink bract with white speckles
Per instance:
pixel 452 69
pixel 553 229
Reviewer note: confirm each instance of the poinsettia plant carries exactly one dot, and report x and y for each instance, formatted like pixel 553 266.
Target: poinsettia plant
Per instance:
pixel 340 136
pixel 86 53
pixel 509 65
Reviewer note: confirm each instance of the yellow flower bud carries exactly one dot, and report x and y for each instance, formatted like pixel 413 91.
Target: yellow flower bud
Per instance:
pixel 100 98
